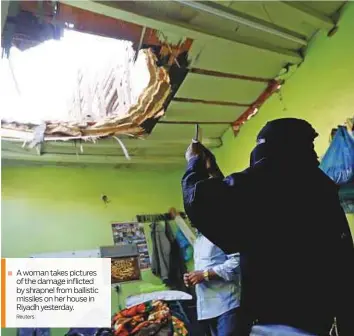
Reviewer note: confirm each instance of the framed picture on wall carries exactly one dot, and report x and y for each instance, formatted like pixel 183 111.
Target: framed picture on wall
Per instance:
pixel 132 233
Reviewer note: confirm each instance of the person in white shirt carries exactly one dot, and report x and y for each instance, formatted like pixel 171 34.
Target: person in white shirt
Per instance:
pixel 217 286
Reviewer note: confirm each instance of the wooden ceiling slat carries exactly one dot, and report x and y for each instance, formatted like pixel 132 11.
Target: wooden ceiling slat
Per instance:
pixel 228 75
pixel 189 112
pixel 184 122
pixel 208 102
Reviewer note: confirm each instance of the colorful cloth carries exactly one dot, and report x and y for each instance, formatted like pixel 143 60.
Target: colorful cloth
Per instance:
pixel 151 318
pixel 179 328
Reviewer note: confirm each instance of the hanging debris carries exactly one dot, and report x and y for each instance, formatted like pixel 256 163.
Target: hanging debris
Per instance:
pixel 38 135
pixel 108 88
pixel 111 122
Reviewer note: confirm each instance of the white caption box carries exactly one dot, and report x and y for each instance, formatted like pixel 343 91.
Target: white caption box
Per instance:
pixel 58 293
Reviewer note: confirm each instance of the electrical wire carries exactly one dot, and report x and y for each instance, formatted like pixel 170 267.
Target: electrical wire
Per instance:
pixel 14 76
pixel 125 151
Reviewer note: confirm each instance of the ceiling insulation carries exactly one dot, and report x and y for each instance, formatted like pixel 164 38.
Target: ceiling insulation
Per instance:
pixel 108 88
pixel 149 105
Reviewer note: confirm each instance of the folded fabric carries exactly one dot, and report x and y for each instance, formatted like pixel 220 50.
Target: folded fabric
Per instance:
pixel 153 329
pixel 151 318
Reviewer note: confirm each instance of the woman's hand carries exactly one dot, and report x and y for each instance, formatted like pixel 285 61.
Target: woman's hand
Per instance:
pixel 194 149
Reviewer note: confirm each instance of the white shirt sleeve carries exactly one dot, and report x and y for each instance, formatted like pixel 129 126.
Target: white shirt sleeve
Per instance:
pixel 230 269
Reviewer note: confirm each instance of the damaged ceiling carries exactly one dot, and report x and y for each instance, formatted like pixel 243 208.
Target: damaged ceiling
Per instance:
pixel 223 57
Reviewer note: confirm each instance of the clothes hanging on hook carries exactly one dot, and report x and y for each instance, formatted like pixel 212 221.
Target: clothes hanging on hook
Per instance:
pixel 160 260
pixel 167 261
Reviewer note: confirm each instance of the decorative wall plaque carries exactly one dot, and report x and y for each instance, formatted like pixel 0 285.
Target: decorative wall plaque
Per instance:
pixel 125 269
pixel 124 262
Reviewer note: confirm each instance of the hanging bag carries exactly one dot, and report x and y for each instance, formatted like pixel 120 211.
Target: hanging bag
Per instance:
pixel 338 162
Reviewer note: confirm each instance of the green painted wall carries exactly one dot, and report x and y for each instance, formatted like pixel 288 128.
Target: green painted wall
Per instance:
pixel 57 209
pixel 61 208
pixel 320 91
pixel 52 209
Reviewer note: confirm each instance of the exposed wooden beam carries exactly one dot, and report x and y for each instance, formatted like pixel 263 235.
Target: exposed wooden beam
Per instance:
pixel 320 19
pixel 91 159
pixel 196 122
pixel 208 102
pixel 95 151
pixel 104 151
pixel 86 21
pixel 120 166
pixel 129 11
pixel 110 143
pixel 228 75
pixel 230 14
pixel 253 109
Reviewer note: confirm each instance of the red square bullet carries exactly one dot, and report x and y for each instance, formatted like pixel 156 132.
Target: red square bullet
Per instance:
pixel 9 273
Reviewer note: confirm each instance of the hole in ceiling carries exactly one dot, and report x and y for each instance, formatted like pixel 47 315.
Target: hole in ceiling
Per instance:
pixel 79 78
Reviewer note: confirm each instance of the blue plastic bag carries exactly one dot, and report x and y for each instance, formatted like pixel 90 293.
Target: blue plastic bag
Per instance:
pixel 338 162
